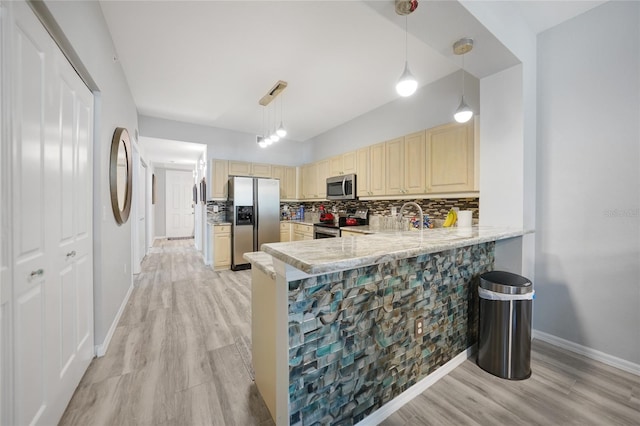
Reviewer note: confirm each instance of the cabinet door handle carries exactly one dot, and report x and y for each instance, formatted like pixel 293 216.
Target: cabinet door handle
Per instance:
pixel 71 254
pixel 36 273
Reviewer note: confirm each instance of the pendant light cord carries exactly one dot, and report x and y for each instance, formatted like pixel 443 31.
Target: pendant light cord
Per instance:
pixel 463 76
pixel 406 38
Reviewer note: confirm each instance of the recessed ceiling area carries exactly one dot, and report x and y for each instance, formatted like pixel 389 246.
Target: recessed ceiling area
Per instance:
pixel 170 153
pixel 209 62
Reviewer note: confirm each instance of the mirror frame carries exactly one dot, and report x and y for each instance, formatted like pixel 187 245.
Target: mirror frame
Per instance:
pixel 120 135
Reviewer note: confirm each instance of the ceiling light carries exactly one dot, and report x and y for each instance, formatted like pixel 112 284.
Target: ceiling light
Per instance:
pixel 464 112
pixel 279 132
pixel 407 83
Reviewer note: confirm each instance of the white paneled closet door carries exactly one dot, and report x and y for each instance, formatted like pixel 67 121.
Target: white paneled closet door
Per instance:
pixel 51 186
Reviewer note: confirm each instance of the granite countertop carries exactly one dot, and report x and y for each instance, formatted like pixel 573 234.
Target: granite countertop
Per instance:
pixel 262 261
pixel 213 222
pixel 335 254
pixel 306 222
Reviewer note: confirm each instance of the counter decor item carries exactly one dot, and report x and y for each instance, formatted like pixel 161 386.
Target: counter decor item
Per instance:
pixel 465 218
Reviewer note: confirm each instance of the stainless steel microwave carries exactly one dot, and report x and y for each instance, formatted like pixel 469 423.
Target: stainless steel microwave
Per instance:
pixel 341 187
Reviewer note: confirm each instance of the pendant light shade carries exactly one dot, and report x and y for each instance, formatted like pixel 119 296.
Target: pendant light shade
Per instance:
pixel 463 113
pixel 282 132
pixel 407 84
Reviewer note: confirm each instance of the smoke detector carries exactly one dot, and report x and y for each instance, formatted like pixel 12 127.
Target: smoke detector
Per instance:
pixel 405 7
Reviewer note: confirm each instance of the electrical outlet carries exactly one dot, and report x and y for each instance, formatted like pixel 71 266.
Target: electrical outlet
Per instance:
pixel 419 327
pixel 215 209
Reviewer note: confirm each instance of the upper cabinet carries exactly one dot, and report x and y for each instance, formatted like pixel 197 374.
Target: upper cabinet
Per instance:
pixel 450 158
pixel 414 163
pixel 362 172
pixel 243 168
pixel 287 177
pixel 441 160
pixel 377 166
pixel 342 164
pixel 323 174
pixel 219 178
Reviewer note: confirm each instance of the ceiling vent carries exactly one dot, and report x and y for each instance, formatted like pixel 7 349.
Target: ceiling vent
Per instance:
pixel 405 7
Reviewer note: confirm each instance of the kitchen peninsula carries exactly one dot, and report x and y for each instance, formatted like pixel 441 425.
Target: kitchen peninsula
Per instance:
pixel 333 320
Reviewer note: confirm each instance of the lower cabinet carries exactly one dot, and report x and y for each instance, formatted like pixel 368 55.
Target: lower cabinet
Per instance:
pixel 302 231
pixel 344 233
pixel 285 232
pixel 222 246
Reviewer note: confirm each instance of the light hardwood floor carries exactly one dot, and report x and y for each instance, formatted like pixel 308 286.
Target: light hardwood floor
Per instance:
pixel 181 355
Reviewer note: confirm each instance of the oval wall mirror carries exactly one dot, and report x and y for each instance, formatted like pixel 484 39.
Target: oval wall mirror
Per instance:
pixel 120 175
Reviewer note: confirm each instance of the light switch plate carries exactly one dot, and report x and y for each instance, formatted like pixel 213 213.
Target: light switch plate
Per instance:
pixel 215 209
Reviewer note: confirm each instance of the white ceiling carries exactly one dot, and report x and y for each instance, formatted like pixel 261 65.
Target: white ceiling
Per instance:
pixel 171 153
pixel 209 62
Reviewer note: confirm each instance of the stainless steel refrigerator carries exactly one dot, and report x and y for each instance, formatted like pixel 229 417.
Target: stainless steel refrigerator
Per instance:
pixel 255 215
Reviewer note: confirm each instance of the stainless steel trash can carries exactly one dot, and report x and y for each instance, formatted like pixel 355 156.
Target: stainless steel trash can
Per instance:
pixel 504 338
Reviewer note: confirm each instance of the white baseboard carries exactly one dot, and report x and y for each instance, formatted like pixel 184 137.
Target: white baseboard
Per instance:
pixel 594 354
pixel 101 349
pixel 399 401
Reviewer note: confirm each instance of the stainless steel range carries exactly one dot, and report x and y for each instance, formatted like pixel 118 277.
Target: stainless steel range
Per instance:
pixel 332 230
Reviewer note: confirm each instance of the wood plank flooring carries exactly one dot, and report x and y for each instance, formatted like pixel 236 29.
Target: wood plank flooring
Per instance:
pixel 181 355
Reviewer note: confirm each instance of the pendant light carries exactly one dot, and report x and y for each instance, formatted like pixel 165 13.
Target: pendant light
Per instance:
pixel 274 135
pixel 407 84
pixel 282 132
pixel 464 112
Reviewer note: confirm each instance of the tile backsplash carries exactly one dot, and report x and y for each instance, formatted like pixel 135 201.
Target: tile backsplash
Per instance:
pixel 436 208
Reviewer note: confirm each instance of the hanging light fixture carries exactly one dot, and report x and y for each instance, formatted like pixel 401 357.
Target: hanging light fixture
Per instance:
pixel 282 132
pixel 407 84
pixel 274 135
pixel 464 112
pixel 270 136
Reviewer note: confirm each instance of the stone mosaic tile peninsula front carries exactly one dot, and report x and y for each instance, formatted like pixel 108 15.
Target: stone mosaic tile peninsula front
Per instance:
pixel 351 333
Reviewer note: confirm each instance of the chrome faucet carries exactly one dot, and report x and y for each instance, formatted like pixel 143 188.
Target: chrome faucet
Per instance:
pixel 417 206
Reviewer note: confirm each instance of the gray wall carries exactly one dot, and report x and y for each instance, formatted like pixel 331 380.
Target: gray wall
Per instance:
pixel 225 144
pixel 430 106
pixel 85 27
pixel 159 208
pixel 588 234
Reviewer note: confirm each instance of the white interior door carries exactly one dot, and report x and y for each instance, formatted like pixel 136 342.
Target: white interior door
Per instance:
pixel 52 257
pixel 179 203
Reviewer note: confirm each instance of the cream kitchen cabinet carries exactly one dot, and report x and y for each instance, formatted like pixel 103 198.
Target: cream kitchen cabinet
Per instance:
pixel 243 168
pixel 302 231
pixel 377 167
pixel 345 233
pixel 414 163
pixel 219 178
pixel 314 180
pixel 450 158
pixel 309 184
pixel 405 165
pixel 362 172
pixel 221 246
pixel 285 232
pixel 343 164
pixel 323 174
pixel 394 166
pixel 287 177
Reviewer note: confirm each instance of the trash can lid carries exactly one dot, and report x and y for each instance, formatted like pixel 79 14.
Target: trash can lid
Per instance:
pixel 505 282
